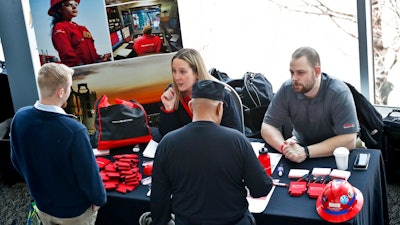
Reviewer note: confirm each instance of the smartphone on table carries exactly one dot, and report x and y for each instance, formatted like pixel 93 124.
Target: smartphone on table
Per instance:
pixel 362 160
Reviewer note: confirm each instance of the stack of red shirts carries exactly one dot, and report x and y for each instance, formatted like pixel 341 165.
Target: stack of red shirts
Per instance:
pixel 122 175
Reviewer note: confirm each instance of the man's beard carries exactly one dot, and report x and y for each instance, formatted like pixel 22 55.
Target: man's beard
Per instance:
pixel 304 88
pixel 300 88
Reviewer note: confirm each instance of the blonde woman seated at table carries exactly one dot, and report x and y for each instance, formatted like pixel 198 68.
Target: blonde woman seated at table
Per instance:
pixel 187 67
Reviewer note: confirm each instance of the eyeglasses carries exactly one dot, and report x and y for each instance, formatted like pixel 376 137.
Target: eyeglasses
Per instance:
pixel 71 4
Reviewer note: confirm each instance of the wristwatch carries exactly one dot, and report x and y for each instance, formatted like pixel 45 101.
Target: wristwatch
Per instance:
pixel 307 151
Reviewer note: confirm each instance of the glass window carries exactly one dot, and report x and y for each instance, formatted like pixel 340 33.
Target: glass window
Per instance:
pixel 386 46
pixel 260 36
pixel 2 60
pixel 1 52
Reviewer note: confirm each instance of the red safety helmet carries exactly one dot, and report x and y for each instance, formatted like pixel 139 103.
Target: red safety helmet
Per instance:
pixel 55 2
pixel 339 201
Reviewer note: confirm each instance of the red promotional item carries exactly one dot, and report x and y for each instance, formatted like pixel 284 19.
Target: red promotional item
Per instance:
pixel 110 168
pixel 130 181
pixel 123 164
pixel 126 172
pixel 121 124
pixel 130 187
pixel 265 160
pixel 147 170
pixel 339 201
pixel 132 178
pixel 109 186
pixel 133 184
pixel 315 189
pixel 297 188
pixel 127 160
pixel 120 169
pixel 113 174
pixel 122 175
pixel 102 162
pixel 121 189
pixel 134 161
pixel 104 176
pixel 126 156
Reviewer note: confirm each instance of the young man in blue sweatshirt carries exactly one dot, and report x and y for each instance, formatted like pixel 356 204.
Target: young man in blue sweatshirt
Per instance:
pixel 52 151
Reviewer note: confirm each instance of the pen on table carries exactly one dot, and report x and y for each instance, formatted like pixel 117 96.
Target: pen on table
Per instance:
pixel 280 184
pixel 277 183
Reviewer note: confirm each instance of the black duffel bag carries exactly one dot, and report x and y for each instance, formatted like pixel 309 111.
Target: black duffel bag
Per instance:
pixel 256 94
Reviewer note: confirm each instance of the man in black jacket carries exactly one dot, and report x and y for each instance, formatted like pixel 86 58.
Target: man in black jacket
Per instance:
pixel 201 170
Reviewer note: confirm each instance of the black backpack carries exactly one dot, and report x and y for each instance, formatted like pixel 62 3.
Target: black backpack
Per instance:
pixel 371 122
pixel 255 92
pixel 222 76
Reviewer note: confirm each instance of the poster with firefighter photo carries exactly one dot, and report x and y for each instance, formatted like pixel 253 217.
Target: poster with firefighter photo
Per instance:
pixel 121 49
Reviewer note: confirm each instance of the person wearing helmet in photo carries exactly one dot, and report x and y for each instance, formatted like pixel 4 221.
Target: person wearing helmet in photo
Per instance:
pixel 320 108
pixel 74 43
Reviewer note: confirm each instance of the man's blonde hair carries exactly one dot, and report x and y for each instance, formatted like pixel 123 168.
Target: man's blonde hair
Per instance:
pixel 52 76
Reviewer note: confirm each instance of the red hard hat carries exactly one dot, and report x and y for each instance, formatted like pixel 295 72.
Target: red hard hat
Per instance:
pixel 339 201
pixel 55 2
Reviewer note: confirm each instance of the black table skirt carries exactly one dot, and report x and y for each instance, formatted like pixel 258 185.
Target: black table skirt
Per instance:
pixel 282 209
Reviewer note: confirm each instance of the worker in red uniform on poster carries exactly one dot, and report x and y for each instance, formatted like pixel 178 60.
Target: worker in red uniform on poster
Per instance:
pixel 147 43
pixel 74 43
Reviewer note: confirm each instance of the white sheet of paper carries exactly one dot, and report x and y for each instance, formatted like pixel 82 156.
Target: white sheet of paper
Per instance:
pixel 257 146
pixel 258 205
pixel 318 171
pixel 340 174
pixel 297 173
pixel 150 150
pixel 97 152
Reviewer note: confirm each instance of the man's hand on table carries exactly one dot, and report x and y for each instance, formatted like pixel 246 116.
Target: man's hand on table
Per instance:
pixel 293 151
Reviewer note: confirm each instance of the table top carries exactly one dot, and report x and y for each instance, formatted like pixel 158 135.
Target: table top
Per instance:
pixel 282 208
pixel 370 182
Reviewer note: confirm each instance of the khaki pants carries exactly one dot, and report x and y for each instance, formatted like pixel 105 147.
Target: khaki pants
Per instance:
pixel 86 218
